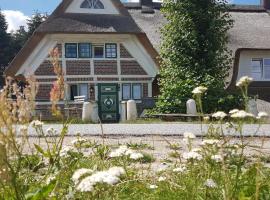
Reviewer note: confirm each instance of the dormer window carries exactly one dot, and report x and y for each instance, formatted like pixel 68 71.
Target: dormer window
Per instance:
pixel 92 4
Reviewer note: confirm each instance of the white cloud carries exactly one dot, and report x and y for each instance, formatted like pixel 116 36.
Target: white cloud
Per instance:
pixel 15 19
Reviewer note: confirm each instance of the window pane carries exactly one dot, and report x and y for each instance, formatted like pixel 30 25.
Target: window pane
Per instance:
pixel 84 50
pixel 73 91
pixel 98 52
pixel 137 91
pixel 111 50
pixel 84 90
pixel 126 91
pixel 267 71
pixel 267 61
pixel 256 69
pixel 71 50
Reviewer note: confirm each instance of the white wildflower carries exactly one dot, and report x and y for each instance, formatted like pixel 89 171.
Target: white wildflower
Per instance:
pixel 217 158
pixel 180 169
pixel 65 150
pixel 78 141
pixel 244 81
pixel 153 187
pixel 136 156
pixel 210 142
pixel 50 179
pixel 162 178
pixel 233 111
pixel 51 132
pixel 219 115
pixel 79 173
pixel 192 156
pixel 85 185
pixel 189 135
pixel 263 115
pixel 207 118
pixel 241 114
pixel 36 124
pixel 196 150
pixel 199 90
pixel 210 183
pixel 121 151
pixel 117 171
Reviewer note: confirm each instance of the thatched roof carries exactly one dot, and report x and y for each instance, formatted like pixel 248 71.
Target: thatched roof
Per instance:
pixel 251 27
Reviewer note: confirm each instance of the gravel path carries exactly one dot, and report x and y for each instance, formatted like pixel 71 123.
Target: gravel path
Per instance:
pixel 163 129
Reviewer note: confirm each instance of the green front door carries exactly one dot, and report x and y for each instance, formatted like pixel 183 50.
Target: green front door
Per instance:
pixel 108 104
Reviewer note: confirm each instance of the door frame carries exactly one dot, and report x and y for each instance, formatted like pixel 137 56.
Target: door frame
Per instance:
pixel 117 101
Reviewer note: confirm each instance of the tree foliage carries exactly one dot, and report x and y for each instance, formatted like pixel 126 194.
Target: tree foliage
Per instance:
pixel 35 21
pixel 193 52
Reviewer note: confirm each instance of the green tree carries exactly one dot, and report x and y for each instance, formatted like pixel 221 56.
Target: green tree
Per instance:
pixel 35 21
pixel 193 52
pixel 18 39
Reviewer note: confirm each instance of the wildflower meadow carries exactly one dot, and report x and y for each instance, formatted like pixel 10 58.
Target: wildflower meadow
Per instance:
pixel 219 168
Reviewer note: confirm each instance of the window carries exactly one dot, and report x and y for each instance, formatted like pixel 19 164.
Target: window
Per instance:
pixel 126 93
pixel 131 91
pixel 98 51
pixel 266 68
pixel 79 90
pixel 111 50
pixel 71 50
pixel 137 91
pixel 257 68
pixel 92 4
pixel 84 50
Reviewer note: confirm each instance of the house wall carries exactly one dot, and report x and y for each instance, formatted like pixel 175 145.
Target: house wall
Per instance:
pixel 132 65
pixel 259 87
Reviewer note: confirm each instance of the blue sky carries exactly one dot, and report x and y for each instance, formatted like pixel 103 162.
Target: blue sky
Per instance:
pixel 18 11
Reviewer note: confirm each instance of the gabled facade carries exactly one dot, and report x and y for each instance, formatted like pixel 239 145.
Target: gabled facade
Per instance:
pixel 106 57
pixel 108 51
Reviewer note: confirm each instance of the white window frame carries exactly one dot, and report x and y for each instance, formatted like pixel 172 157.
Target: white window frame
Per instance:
pixel 263 78
pixel 131 86
pixel 262 68
pixel 79 90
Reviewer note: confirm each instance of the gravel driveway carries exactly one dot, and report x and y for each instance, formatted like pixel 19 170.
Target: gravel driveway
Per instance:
pixel 163 129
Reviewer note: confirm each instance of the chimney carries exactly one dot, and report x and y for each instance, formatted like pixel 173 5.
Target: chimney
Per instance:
pixel 266 4
pixel 147 6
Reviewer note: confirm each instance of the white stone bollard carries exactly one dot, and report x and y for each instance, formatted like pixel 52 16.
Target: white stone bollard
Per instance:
pixel 86 111
pixel 191 107
pixel 252 107
pixel 123 116
pixel 132 113
pixel 94 112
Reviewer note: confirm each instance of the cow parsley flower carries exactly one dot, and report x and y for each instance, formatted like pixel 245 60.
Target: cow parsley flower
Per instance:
pixel 263 115
pixel 50 179
pixel 78 141
pixel 23 128
pixel 192 156
pixel 153 187
pixel 85 185
pixel 219 115
pixel 189 135
pixel 210 142
pixel 121 151
pixel 180 169
pixel 233 111
pixel 244 81
pixel 136 156
pixel 36 124
pixel 210 183
pixel 51 132
pixel 79 173
pixel 65 150
pixel 241 114
pixel 199 90
pixel 217 158
pixel 162 178
pixel 116 171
